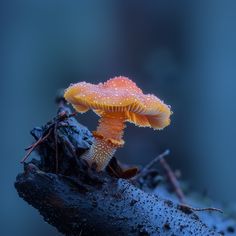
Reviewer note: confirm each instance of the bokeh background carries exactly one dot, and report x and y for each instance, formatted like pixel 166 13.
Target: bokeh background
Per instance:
pixel 182 51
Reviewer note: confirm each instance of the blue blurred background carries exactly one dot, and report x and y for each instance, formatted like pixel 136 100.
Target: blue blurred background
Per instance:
pixel 182 51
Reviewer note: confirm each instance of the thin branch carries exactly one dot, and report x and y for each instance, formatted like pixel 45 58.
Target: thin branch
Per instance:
pixel 33 146
pixel 170 174
pixel 173 180
pixel 61 116
pixel 202 209
pixel 146 168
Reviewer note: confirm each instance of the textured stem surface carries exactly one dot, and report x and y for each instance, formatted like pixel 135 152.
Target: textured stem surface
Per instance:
pixel 108 138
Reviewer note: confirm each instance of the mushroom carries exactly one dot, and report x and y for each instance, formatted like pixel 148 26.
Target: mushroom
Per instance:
pixel 115 101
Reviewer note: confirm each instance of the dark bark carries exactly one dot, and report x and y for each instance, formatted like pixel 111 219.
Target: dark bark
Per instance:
pixel 102 205
pixel 79 201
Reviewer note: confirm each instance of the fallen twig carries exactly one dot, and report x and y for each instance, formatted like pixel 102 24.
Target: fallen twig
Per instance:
pixel 146 168
pixel 201 209
pixel 61 116
pixel 172 178
pixel 170 174
pixel 33 146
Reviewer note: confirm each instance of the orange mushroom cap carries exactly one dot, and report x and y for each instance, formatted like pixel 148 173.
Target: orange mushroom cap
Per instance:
pixel 121 95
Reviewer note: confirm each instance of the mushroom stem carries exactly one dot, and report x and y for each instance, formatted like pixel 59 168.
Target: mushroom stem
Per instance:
pixel 108 138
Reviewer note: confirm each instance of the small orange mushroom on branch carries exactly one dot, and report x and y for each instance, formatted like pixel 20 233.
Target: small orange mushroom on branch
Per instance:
pixel 116 101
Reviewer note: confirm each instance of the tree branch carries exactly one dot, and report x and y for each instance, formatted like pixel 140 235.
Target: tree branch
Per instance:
pixel 98 204
pixel 77 200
